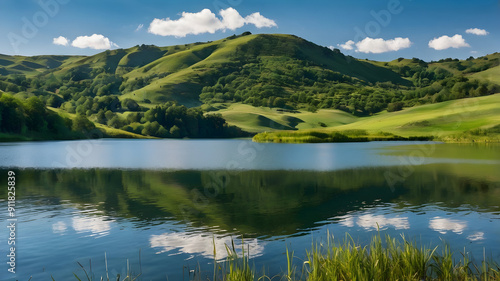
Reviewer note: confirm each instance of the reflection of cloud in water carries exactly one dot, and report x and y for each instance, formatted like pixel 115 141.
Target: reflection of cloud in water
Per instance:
pixel 96 225
pixel 203 243
pixel 476 236
pixel 443 225
pixel 59 227
pixel 370 221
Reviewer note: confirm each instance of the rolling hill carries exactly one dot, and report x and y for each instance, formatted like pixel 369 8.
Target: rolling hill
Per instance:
pixel 258 83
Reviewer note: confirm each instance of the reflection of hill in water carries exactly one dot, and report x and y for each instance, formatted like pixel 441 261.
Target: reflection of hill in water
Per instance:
pixel 256 202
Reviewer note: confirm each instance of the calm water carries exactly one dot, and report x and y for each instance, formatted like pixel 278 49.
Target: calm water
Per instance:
pixel 170 200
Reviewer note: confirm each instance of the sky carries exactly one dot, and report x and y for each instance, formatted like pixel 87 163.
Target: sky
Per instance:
pixel 374 29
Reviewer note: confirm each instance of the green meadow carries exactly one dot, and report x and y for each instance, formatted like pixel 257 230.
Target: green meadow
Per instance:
pixel 459 120
pixel 259 119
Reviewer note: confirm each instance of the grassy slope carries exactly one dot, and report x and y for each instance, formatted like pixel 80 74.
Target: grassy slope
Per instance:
pixel 109 131
pixel 435 119
pixel 31 66
pixel 260 119
pixel 447 121
pixel 444 118
pixel 492 75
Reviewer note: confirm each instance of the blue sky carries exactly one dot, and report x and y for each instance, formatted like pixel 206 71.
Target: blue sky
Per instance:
pixel 389 28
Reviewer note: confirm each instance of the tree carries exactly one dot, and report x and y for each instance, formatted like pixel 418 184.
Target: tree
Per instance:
pixel 175 132
pixel 395 106
pixel 12 115
pixel 35 114
pixel 130 104
pixel 82 124
pixel 115 122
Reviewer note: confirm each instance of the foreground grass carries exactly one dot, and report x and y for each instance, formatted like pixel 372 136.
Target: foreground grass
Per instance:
pixel 385 258
pixel 381 259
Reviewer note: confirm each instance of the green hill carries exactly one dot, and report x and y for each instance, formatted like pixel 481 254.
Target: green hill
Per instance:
pixel 179 73
pixel 259 82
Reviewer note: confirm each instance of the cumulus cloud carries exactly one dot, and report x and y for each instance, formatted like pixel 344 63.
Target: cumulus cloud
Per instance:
pixel 477 31
pixel 446 42
pixel 95 41
pixel 206 22
pixel 63 41
pixel 231 19
pixel 379 45
pixel 260 21
pixel 349 45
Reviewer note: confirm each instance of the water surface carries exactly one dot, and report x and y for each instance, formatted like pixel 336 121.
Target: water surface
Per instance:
pixel 170 200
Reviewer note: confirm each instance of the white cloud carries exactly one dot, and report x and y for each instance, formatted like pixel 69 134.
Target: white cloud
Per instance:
pixel 206 22
pixel 189 23
pixel 349 45
pixel 445 42
pixel 379 45
pixel 95 41
pixel 231 19
pixel 442 225
pixel 139 27
pixel 260 21
pixel 477 31
pixel 63 41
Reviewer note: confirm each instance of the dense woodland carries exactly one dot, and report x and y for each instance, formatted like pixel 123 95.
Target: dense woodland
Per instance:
pixel 268 71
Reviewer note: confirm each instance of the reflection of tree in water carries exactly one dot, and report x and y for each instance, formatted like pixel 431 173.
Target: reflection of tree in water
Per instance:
pixel 252 202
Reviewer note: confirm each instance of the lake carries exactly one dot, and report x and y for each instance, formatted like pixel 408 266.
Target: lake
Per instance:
pixel 160 205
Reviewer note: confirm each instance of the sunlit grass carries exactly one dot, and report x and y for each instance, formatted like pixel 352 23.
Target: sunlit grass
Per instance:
pixel 313 136
pixel 383 258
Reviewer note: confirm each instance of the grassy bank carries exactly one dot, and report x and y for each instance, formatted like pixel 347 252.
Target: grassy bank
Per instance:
pixel 335 136
pixel 385 258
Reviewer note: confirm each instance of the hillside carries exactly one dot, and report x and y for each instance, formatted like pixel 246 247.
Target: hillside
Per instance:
pixel 464 120
pixel 255 82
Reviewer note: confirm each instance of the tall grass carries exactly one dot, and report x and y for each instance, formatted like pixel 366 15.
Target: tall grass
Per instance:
pixel 391 259
pixel 386 258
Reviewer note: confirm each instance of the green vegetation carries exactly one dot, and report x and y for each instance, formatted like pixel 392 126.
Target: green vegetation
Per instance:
pixel 335 136
pixel 382 259
pixel 250 79
pixel 464 120
pixel 30 120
